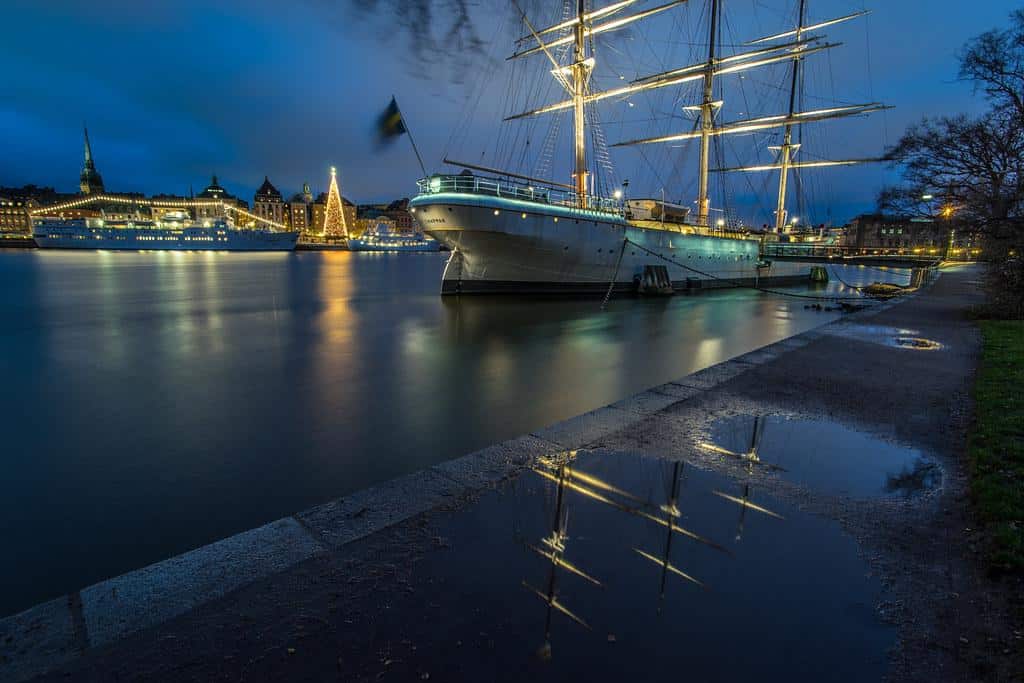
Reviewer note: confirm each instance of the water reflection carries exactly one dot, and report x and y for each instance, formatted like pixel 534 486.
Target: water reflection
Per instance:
pixel 921 476
pixel 570 479
pixel 823 455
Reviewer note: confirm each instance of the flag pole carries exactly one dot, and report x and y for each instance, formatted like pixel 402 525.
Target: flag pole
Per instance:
pixel 411 141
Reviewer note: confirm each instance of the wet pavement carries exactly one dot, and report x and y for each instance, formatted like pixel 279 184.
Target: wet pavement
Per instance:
pixel 617 546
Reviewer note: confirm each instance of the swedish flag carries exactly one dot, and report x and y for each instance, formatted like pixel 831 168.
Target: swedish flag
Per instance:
pixel 390 124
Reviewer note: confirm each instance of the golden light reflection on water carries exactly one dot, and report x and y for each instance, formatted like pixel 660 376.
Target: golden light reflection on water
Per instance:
pixel 708 352
pixel 338 319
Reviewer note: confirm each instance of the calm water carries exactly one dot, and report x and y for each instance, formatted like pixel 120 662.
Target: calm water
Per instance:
pixel 154 402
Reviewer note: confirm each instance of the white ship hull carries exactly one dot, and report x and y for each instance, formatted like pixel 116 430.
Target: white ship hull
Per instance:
pixel 217 238
pixel 506 245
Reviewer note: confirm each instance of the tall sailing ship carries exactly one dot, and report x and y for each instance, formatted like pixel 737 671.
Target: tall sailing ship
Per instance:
pixel 512 232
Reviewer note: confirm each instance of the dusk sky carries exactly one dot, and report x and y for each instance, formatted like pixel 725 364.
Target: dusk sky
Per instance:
pixel 173 92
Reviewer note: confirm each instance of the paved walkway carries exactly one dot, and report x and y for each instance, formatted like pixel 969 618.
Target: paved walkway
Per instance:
pixel 365 588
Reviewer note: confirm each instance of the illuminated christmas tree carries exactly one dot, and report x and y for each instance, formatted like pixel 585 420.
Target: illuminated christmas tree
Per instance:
pixel 334 215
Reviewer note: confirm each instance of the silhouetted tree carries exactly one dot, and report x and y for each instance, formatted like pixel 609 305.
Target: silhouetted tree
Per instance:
pixel 973 168
pixel 994 62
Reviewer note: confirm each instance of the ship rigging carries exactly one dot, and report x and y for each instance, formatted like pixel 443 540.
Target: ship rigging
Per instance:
pixel 617 243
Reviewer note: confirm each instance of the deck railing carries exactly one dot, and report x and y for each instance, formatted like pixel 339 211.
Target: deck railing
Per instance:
pixel 496 187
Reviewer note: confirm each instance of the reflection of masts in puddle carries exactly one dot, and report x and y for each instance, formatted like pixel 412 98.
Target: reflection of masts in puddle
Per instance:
pixel 568 479
pixel 554 553
pixel 671 512
pixel 743 511
pixel 751 457
pixel 752 454
pixel 755 439
pixel 755 444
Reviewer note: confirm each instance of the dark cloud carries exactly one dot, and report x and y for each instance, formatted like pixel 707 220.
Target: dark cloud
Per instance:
pixel 173 91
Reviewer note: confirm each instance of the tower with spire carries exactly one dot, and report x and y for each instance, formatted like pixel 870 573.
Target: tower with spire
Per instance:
pixel 89 181
pixel 334 215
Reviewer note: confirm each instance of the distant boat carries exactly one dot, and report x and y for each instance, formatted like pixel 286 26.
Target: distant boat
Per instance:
pixel 379 238
pixel 173 232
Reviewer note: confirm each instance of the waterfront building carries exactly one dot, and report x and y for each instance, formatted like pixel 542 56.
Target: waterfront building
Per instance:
pixel 268 204
pixel 398 212
pixel 300 211
pixel 881 231
pixel 89 180
pixel 363 225
pixel 14 213
pixel 216 211
pixel 164 204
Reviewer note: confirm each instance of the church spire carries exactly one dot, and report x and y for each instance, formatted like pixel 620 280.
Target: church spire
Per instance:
pixel 90 181
pixel 88 148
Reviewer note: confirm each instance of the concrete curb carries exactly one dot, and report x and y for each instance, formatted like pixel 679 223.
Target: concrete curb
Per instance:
pixel 56 632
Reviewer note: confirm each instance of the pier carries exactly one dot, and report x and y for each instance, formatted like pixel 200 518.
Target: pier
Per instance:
pixel 812 252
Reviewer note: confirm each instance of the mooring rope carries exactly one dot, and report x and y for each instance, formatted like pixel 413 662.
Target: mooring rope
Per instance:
pixel 615 275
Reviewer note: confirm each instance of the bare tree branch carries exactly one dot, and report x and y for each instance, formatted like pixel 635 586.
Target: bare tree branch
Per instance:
pixel 994 62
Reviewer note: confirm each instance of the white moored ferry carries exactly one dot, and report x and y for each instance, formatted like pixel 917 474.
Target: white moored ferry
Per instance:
pixel 173 233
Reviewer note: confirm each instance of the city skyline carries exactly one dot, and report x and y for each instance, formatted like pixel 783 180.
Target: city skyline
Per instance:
pixel 253 93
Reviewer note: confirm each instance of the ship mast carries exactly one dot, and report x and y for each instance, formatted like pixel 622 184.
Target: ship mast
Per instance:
pixel 579 83
pixel 707 120
pixel 788 148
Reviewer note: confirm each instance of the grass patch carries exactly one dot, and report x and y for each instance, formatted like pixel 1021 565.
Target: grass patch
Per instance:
pixel 996 443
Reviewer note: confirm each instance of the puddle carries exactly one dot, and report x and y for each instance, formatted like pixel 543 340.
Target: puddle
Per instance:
pixel 824 456
pixel 620 566
pixel 895 337
pixel 917 343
